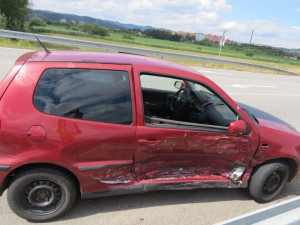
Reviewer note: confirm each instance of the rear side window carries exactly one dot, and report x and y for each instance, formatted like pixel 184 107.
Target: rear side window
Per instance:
pixel 95 95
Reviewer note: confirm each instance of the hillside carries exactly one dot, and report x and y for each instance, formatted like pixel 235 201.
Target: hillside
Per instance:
pixel 54 16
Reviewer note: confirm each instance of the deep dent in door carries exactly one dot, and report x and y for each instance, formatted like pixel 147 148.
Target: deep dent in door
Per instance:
pixel 193 155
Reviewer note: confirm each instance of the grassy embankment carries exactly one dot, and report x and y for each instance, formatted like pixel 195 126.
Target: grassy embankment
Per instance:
pixel 164 45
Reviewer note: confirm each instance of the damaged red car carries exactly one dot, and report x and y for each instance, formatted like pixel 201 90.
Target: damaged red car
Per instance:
pixel 103 124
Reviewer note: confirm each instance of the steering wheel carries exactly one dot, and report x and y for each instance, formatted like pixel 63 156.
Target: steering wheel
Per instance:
pixel 179 100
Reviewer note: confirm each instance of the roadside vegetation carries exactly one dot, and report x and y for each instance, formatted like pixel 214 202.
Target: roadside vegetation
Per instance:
pixel 152 39
pixel 13 13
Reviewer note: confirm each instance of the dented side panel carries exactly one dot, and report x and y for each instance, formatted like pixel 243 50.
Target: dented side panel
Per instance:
pixel 145 187
pixel 194 153
pixel 179 153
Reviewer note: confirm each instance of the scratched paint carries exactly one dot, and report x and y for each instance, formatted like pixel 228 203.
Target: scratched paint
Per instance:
pixel 178 152
pixel 111 176
pixel 236 173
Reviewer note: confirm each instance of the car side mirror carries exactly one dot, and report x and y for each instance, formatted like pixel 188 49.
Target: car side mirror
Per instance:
pixel 237 127
pixel 179 84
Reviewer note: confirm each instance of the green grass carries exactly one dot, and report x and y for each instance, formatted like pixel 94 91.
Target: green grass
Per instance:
pixel 33 45
pixel 57 30
pixel 198 49
pixel 186 48
pixel 155 44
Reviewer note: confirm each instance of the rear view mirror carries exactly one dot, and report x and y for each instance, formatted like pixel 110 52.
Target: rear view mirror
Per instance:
pixel 237 127
pixel 179 84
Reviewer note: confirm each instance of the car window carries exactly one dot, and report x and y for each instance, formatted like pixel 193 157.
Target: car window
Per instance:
pixel 192 105
pixel 199 87
pixel 95 95
pixel 159 83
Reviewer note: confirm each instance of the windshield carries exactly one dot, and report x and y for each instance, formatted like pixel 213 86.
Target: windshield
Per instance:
pixel 197 87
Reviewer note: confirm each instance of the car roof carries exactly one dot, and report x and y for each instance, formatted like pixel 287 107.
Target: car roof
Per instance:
pixel 104 57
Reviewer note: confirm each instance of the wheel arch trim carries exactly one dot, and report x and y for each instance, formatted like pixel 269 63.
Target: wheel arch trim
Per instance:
pixel 292 164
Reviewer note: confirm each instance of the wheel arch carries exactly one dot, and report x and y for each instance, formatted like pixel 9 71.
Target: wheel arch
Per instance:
pixel 292 164
pixel 9 177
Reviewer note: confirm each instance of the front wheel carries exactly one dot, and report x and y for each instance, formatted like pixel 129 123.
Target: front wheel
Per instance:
pixel 268 181
pixel 41 194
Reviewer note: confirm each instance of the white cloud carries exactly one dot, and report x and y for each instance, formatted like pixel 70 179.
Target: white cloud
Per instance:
pixel 189 15
pixel 298 10
pixel 160 13
pixel 265 32
pixel 233 25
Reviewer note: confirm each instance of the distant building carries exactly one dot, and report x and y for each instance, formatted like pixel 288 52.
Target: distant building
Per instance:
pixel 216 39
pixel 184 34
pixel 73 22
pixel 64 21
pixel 81 22
pixel 213 38
pixel 199 36
pixel 228 42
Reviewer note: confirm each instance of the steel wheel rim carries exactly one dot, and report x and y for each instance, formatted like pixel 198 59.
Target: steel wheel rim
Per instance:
pixel 273 183
pixel 43 197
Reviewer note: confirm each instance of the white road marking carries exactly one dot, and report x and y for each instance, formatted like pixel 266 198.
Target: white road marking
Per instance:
pixel 232 78
pixel 249 86
pixel 207 71
pixel 287 95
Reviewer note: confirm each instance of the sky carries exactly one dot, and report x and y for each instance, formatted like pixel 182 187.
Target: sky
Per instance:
pixel 275 22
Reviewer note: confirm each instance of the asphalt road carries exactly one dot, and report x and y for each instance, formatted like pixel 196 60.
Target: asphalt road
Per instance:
pixel 275 94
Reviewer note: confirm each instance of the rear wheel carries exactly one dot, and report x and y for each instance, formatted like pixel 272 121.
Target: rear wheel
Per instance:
pixel 41 194
pixel 268 181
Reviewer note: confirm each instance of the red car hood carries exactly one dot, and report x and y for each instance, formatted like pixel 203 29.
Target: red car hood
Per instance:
pixel 267 124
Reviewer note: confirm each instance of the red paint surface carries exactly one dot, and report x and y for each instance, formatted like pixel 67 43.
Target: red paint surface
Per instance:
pixel 156 154
pixel 37 134
pixel 237 127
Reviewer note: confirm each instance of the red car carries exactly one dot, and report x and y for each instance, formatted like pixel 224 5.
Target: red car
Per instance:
pixel 103 124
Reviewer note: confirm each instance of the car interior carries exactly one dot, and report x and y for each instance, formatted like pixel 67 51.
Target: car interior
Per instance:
pixel 170 101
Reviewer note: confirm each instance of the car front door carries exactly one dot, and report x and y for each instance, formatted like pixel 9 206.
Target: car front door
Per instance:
pixel 193 143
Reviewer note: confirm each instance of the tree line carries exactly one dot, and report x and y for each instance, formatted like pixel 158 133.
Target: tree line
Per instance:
pixel 12 13
pixel 13 17
pixel 163 34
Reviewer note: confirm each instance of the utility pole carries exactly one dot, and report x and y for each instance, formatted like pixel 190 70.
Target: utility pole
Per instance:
pixel 251 37
pixel 222 42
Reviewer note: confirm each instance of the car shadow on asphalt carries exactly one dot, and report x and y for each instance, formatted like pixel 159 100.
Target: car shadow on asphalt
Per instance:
pixel 88 207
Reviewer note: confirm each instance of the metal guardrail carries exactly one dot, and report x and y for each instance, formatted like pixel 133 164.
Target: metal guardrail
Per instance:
pixel 121 48
pixel 284 213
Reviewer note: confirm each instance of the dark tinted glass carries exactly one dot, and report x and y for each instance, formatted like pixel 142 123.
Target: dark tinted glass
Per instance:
pixel 96 95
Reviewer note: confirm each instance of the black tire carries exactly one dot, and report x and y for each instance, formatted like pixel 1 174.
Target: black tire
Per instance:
pixel 41 194
pixel 268 180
